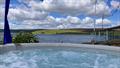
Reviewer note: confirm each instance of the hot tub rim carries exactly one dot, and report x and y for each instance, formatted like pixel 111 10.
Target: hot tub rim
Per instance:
pixel 10 47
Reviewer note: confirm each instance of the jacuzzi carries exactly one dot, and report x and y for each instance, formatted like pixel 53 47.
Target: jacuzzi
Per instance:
pixel 59 55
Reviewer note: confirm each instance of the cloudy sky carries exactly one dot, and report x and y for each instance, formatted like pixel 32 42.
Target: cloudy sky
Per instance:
pixel 61 14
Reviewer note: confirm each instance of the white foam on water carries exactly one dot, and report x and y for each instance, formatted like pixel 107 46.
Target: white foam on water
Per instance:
pixel 70 54
pixel 112 66
pixel 12 60
pixel 57 59
pixel 3 66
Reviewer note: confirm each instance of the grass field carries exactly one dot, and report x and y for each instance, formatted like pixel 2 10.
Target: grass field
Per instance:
pixel 60 32
pixel 72 31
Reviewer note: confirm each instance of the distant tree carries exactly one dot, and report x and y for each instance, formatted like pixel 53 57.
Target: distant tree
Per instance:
pixel 25 37
pixel 1 41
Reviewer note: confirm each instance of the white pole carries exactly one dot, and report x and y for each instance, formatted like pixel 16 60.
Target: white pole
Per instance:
pixel 94 28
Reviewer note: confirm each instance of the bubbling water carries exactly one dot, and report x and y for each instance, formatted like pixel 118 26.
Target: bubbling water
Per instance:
pixel 52 58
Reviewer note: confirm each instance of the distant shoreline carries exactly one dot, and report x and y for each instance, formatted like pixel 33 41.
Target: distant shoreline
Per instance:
pixel 64 31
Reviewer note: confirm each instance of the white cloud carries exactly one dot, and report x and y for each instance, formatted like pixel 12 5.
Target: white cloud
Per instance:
pixel 2 1
pixel 73 20
pixel 60 27
pixel 115 4
pixel 100 10
pixel 52 22
pixel 104 22
pixel 72 7
pixel 87 20
pixel 59 23
pixel 37 15
pixel 68 19
pixel 51 19
pixel 1 13
pixel 35 22
pixel 22 14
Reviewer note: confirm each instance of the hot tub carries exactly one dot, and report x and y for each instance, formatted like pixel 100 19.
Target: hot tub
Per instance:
pixel 59 55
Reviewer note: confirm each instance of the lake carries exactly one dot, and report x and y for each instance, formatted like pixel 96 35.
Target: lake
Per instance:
pixel 65 38
pixel 68 38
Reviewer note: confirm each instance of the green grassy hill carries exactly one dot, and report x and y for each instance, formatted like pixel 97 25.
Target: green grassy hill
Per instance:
pixel 62 31
pixel 67 31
